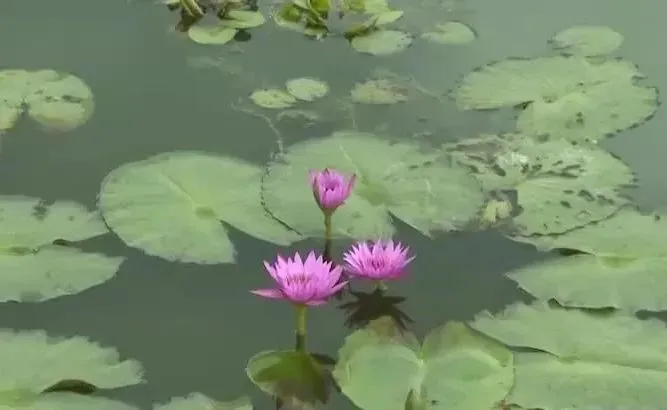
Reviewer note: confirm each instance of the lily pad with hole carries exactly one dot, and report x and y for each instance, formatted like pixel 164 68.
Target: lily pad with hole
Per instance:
pixel 382 42
pixel 173 205
pixel 419 186
pixel 562 97
pixel 588 40
pixel 581 359
pixel 382 367
pixel 559 185
pixel 36 265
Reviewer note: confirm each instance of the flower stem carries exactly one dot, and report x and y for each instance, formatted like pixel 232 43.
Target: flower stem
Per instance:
pixel 381 286
pixel 327 237
pixel 301 328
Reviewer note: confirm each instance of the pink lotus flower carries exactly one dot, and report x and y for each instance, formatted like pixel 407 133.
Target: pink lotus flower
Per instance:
pixel 330 188
pixel 311 282
pixel 380 260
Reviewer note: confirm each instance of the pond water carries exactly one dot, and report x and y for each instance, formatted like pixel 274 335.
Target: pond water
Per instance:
pixel 193 327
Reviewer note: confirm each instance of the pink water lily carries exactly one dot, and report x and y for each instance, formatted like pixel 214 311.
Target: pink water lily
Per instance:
pixel 330 188
pixel 311 282
pixel 379 260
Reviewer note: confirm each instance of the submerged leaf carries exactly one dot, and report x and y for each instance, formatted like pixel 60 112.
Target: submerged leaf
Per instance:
pixel 306 88
pixel 565 97
pixel 381 368
pixel 422 189
pixel 588 360
pixel 171 205
pixel 64 401
pixel 378 91
pixel 272 98
pixel 451 32
pixel 382 42
pixel 587 40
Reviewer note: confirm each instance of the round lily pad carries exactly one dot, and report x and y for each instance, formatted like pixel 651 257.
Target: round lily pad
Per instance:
pixel 172 205
pixel 272 98
pixel 307 89
pixel 423 189
pixel 587 41
pixel 382 42
pixel 211 34
pixel 451 32
pixel 563 97
pixel 242 19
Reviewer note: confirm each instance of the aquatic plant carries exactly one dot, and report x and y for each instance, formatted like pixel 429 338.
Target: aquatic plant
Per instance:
pixel 379 260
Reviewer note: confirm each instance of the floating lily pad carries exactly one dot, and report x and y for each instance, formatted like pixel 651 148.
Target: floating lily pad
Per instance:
pixel 585 360
pixel 421 188
pixel 589 281
pixel 451 32
pixel 60 401
pixel 33 268
pixel 627 234
pixel 382 42
pixel 587 41
pixel 198 401
pixel 55 100
pixel 307 89
pixel 379 91
pixel 172 205
pixel 560 185
pixel 242 19
pixel 36 364
pixel 272 98
pixel 212 33
pixel 562 97
pixel 382 368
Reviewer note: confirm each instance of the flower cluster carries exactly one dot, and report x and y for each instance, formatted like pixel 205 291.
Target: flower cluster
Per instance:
pixel 313 280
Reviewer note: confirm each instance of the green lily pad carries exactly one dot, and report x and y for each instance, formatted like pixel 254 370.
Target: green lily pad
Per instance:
pixel 172 205
pixel 242 19
pixel 585 360
pixel 382 42
pixel 57 101
pixel 272 98
pixel 587 41
pixel 35 363
pixel 560 185
pixel 423 189
pixel 34 269
pixel 381 368
pixel 212 34
pixel 378 91
pixel 589 281
pixel 198 401
pixel 627 234
pixel 307 89
pixel 289 375
pixel 61 401
pixel 451 32
pixel 564 97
